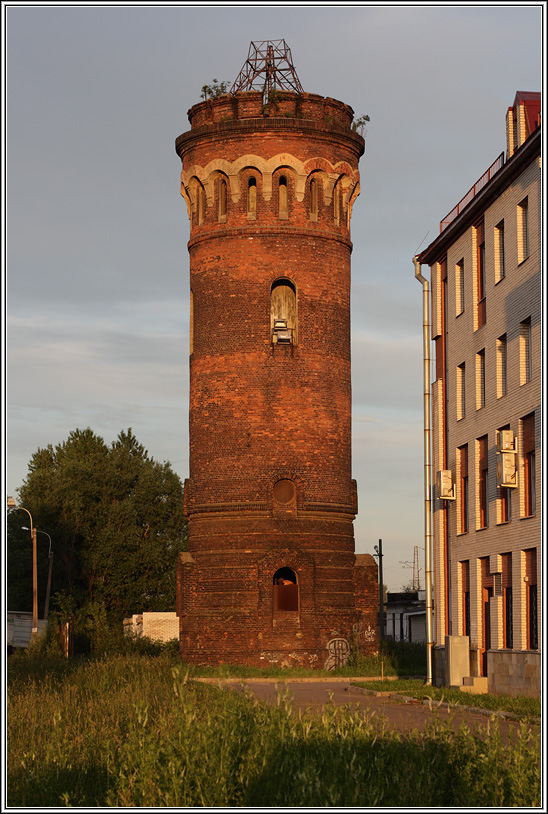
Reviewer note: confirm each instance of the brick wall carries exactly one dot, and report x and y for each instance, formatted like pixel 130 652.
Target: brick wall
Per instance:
pixel 159 626
pixel 261 412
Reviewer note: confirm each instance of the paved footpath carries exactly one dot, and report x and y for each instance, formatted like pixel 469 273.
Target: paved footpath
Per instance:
pixel 398 711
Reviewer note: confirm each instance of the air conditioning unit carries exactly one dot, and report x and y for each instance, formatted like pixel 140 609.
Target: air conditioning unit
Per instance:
pixel 444 485
pixel 497 584
pixel 507 476
pixel 505 441
pixel 281 333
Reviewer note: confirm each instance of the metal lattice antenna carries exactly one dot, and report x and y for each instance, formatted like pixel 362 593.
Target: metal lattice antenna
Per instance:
pixel 268 67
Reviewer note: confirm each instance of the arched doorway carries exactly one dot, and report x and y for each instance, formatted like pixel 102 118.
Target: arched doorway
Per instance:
pixel 286 590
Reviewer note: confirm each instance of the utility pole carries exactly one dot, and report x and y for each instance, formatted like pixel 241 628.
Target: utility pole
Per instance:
pixel 379 554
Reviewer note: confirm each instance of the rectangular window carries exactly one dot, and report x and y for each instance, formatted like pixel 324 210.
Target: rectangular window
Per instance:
pixel 525 360
pixel 505 493
pixel 502 366
pixel 459 287
pixel 529 474
pixel 480 272
pixel 461 391
pixel 523 230
pixel 500 265
pixel 507 607
pixel 483 485
pixel 480 379
pixel 463 465
pixel 465 580
pixel 531 591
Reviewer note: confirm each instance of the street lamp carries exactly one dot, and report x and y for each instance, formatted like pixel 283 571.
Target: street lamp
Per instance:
pixel 50 563
pixel 12 505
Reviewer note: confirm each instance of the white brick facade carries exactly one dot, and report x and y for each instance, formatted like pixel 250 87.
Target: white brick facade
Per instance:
pixel 498 344
pixel 160 627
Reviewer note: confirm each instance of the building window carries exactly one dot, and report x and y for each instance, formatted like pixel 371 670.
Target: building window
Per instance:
pixel 461 391
pixel 252 198
pixel 525 360
pixel 465 582
pixel 529 474
pixel 459 288
pixel 504 502
pixel 285 590
pixel 337 204
pixel 486 594
pixel 523 230
pixel 480 274
pixel 531 598
pixel 283 313
pixel 500 265
pixel 480 379
pixel 464 496
pixel 313 200
pixel 282 198
pixel 507 607
pixel 222 200
pixel 502 366
pixel 191 326
pixel 200 204
pixel 483 482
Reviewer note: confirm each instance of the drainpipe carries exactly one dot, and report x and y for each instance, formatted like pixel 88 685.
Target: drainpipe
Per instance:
pixel 427 465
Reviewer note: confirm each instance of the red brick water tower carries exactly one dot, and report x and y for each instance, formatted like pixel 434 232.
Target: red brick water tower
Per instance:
pixel 271 576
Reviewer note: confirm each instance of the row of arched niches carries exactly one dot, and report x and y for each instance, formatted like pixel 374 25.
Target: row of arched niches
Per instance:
pixel 253 189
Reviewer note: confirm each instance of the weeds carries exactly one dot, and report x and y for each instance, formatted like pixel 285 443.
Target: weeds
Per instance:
pixel 137 731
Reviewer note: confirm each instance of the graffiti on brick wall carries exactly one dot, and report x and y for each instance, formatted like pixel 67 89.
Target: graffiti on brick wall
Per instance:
pixel 362 634
pixel 339 653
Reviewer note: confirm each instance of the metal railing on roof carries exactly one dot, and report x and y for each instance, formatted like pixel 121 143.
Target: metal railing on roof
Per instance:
pixel 471 194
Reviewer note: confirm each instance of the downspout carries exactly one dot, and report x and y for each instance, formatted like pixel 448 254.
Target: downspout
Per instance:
pixel 427 464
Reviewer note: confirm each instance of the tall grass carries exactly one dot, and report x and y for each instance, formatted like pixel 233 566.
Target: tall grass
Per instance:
pixel 136 731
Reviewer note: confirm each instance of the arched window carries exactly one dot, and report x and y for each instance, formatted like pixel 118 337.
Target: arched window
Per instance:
pixel 286 590
pixel 337 204
pixel 222 200
pixel 191 327
pixel 252 198
pixel 200 204
pixel 282 198
pixel 283 312
pixel 313 199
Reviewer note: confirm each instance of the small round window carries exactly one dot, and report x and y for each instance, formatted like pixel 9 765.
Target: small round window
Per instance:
pixel 285 491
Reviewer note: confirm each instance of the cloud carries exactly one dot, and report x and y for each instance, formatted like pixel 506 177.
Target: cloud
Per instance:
pixel 96 256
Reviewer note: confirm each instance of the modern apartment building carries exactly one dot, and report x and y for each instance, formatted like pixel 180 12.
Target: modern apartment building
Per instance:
pixel 486 313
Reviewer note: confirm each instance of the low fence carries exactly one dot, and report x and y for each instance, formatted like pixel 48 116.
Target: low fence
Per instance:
pixel 19 628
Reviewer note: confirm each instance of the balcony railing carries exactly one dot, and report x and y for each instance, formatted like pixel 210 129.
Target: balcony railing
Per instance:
pixel 471 194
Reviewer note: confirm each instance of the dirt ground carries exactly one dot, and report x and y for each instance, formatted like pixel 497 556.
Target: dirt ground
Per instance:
pixel 404 715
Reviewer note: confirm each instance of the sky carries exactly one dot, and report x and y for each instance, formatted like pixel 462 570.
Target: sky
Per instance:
pixel 95 261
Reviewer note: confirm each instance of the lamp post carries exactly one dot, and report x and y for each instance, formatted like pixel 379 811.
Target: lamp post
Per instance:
pixel 50 563
pixel 12 505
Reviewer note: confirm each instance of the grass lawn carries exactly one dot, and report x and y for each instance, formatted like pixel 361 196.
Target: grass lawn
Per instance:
pixel 521 707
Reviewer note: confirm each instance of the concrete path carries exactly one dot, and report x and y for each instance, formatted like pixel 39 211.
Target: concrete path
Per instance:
pixel 399 712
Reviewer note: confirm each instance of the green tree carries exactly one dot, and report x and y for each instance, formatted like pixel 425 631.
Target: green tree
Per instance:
pixel 115 517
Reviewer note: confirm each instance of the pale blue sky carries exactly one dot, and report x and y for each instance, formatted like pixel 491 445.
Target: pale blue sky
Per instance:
pixel 96 261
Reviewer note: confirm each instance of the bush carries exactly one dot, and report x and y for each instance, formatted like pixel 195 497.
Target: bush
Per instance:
pixel 393 659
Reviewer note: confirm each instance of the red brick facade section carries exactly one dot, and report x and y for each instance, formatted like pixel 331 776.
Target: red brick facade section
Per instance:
pixel 262 412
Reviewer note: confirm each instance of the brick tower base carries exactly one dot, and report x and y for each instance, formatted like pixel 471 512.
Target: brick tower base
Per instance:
pixel 234 608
